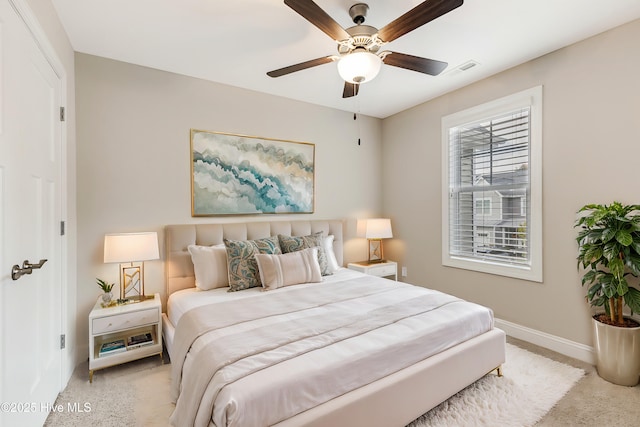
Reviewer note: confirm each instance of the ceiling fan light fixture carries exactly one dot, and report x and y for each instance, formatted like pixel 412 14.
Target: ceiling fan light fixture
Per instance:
pixel 359 66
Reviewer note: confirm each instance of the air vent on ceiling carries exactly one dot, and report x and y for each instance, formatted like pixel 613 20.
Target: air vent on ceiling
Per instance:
pixel 466 66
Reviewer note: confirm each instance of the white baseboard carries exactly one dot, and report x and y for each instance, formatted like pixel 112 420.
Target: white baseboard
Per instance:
pixel 552 342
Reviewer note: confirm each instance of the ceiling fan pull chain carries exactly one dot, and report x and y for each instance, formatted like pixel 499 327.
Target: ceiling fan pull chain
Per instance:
pixel 355 117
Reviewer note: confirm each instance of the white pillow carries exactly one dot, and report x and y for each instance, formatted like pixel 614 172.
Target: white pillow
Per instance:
pixel 327 244
pixel 288 269
pixel 210 266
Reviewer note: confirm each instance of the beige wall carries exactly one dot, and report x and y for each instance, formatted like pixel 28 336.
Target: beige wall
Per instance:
pixel 591 149
pixel 133 166
pixel 133 158
pixel 57 38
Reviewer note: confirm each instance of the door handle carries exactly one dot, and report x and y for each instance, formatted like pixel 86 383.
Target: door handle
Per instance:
pixel 27 268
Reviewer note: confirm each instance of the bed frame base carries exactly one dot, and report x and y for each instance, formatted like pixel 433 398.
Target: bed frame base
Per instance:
pixel 400 398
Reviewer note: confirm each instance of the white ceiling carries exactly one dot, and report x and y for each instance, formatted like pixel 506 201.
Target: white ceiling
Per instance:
pixel 236 42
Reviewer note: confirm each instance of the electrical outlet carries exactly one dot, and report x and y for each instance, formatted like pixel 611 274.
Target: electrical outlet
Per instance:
pixel 404 271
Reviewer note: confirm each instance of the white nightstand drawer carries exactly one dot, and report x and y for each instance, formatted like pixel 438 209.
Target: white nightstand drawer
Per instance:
pixel 125 321
pixel 382 270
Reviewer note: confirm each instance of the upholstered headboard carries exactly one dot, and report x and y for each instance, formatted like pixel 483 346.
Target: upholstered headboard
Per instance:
pixel 179 268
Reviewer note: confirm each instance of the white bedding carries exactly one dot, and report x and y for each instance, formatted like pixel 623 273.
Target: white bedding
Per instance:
pixel 376 327
pixel 186 299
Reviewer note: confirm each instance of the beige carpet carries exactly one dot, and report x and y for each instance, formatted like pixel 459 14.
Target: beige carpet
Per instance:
pixel 592 401
pixel 136 394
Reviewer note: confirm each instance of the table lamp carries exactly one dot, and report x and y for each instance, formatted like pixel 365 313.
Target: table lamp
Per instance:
pixel 127 249
pixel 374 230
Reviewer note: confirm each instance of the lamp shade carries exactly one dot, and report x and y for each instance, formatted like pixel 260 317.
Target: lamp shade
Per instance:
pixel 130 247
pixel 374 228
pixel 360 66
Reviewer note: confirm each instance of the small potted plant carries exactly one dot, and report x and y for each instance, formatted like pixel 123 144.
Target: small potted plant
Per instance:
pixel 609 253
pixel 106 288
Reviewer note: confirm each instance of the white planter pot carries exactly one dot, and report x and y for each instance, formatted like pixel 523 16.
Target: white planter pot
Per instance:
pixel 617 353
pixel 106 299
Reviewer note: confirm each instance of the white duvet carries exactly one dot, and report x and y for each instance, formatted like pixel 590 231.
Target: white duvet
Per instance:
pixel 253 358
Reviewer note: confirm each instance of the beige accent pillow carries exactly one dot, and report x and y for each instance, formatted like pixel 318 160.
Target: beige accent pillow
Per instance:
pixel 288 269
pixel 210 266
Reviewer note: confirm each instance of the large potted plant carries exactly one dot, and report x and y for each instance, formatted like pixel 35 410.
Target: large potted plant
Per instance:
pixel 609 253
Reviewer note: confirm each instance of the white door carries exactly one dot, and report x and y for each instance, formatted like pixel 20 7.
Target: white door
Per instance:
pixel 30 196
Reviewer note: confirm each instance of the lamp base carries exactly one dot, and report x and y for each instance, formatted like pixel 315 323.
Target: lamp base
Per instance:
pixel 138 298
pixel 376 253
pixel 131 281
pixel 134 299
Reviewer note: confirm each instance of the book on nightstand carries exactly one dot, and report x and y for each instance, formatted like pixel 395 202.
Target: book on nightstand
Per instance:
pixel 139 340
pixel 112 347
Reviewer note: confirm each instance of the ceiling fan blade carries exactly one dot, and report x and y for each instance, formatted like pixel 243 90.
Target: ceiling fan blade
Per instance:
pixel 414 63
pixel 301 66
pixel 421 14
pixel 318 17
pixel 350 89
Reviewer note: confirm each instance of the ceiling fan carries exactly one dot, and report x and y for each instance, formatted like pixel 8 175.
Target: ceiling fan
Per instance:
pixel 358 46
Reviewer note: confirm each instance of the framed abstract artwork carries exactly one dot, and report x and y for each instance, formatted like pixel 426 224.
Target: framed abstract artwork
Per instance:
pixel 238 174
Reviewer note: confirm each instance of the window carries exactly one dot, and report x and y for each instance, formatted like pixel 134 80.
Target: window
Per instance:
pixel 483 206
pixel 492 183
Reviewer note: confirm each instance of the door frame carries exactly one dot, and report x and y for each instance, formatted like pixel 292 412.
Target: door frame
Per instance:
pixel 24 12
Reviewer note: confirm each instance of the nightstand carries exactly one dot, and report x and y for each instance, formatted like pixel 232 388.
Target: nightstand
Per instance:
pixel 380 269
pixel 119 322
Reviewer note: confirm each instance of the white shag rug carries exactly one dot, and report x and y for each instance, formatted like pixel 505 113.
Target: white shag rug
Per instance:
pixel 530 386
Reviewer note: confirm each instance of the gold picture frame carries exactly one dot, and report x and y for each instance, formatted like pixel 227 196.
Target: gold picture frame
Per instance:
pixel 241 175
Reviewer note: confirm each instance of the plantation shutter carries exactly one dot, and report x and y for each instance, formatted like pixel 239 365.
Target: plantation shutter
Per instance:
pixel 489 189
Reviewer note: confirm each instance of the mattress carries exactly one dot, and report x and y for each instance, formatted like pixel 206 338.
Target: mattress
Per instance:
pixel 262 357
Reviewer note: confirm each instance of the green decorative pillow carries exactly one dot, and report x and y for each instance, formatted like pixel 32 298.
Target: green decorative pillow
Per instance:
pixel 293 244
pixel 242 265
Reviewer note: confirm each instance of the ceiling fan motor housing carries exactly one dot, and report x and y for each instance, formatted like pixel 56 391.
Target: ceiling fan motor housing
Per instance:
pixel 361 37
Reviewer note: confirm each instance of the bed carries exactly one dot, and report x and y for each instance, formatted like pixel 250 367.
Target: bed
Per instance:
pixel 348 349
